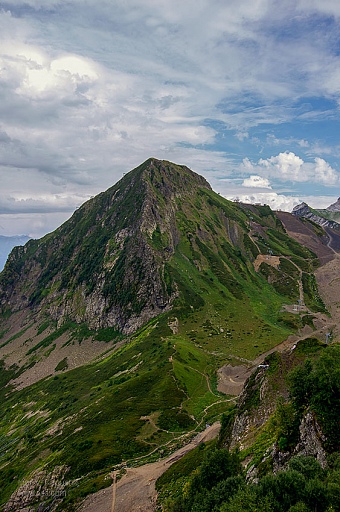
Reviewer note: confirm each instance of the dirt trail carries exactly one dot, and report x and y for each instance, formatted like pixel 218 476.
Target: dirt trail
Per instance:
pixel 136 490
pixel 328 280
pixel 114 490
pixel 232 378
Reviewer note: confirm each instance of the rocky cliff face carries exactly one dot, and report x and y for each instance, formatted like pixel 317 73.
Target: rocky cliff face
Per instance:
pixel 328 218
pixel 266 418
pixel 310 444
pixel 255 406
pixel 44 489
pixel 106 265
pixel 335 207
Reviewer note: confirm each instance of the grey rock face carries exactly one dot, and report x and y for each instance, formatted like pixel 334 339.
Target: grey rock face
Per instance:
pixel 335 207
pixel 317 216
pixel 43 485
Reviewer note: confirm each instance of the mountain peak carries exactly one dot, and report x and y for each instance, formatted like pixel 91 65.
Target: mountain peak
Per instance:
pixel 106 265
pixel 301 209
pixel 335 207
pixel 170 178
pixel 325 218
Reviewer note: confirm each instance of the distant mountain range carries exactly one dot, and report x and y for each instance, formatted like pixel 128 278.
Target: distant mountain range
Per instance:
pixel 329 217
pixel 6 245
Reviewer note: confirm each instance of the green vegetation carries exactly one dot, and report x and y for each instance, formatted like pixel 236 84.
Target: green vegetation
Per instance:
pixel 75 331
pixel 312 297
pixel 211 479
pixel 108 334
pixel 183 261
pixel 316 385
pixel 101 406
pixel 62 365
pixel 284 280
pixel 15 336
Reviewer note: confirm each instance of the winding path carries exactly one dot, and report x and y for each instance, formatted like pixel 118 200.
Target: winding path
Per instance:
pixel 135 491
pixel 114 490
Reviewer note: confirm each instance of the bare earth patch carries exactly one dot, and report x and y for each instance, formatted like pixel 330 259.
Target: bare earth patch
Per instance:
pixel 304 234
pixel 328 279
pixel 136 490
pixel 273 261
pixel 42 362
pixel 232 378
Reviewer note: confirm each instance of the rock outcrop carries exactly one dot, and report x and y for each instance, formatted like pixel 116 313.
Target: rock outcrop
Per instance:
pixel 106 266
pixel 328 218
pixel 335 207
pixel 46 488
pixel 310 443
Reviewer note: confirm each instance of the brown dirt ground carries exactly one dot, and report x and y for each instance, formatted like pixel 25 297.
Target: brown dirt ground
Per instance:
pixel 328 279
pixel 136 491
pixel 274 261
pixel 15 352
pixel 231 379
pixel 304 234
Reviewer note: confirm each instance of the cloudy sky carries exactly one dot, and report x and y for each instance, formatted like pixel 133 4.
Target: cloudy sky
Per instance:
pixel 245 92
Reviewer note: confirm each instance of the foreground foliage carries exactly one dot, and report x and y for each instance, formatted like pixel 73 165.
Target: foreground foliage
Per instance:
pixel 219 485
pixel 213 480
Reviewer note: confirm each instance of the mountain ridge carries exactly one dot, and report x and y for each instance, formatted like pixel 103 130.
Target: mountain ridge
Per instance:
pixel 329 217
pixel 335 207
pixel 138 191
pixel 113 327
pixel 6 245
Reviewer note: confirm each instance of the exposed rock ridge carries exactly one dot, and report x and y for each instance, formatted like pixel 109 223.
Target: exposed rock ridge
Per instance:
pixel 46 488
pixel 105 266
pixel 317 216
pixel 335 207
pixel 310 443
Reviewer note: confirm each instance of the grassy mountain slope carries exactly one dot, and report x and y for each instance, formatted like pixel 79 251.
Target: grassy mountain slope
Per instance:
pixel 6 245
pixel 175 282
pixel 286 430
pixel 329 215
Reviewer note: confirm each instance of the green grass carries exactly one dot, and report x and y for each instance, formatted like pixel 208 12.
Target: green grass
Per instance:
pixel 62 365
pixel 16 336
pixel 265 438
pixel 43 327
pixel 185 466
pixel 225 311
pixel 312 298
pixel 108 411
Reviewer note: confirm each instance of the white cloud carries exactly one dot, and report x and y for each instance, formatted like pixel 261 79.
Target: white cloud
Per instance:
pixel 40 204
pixel 286 165
pixel 255 181
pixel 303 143
pixel 324 173
pixel 289 167
pixel 241 136
pixel 31 224
pixel 281 202
pixel 274 200
pixel 331 7
pixel 90 89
